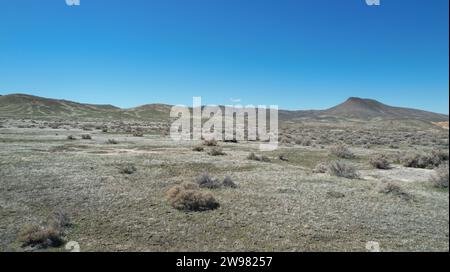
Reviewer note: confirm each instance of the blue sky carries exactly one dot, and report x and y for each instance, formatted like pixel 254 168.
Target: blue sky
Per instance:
pixel 298 54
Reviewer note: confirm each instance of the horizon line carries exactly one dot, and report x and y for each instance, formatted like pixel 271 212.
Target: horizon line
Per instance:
pixel 242 104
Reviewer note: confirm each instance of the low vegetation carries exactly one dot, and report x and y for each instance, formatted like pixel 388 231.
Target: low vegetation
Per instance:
pixel 342 151
pixel 112 142
pixel 121 207
pixel 205 181
pixel 211 142
pixel 282 157
pixel 380 162
pixel 252 156
pixel 127 169
pixel 228 182
pixel 395 189
pixel 342 169
pixel 138 134
pixel 59 220
pixel 86 137
pixel 321 168
pixel 39 236
pixel 188 197
pixel 441 176
pixel 48 234
pixel 425 160
pixel 216 151
pixel 198 148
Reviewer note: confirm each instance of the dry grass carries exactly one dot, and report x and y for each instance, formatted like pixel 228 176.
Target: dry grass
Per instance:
pixel 441 176
pixel 86 137
pixel 175 190
pixel 228 182
pixel 187 197
pixel 342 169
pixel 342 151
pixel 112 142
pixel 280 206
pixel 282 157
pixel 127 169
pixel 59 220
pixel 380 162
pixel 138 134
pixel 211 142
pixel 46 235
pixel 425 160
pixel 205 181
pixel 216 151
pixel 321 168
pixel 198 149
pixel 252 156
pixel 39 236
pixel 395 189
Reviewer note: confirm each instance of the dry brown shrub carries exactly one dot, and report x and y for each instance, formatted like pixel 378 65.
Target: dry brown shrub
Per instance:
pixel 187 197
pixel 380 162
pixel 38 236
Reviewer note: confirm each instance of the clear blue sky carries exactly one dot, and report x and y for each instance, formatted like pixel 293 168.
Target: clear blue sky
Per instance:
pixel 298 54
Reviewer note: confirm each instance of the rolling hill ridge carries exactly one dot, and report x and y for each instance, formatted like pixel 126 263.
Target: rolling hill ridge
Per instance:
pixel 28 106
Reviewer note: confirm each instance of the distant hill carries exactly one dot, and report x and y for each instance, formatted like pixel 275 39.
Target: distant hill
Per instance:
pixel 150 111
pixel 22 105
pixel 368 108
pixel 28 106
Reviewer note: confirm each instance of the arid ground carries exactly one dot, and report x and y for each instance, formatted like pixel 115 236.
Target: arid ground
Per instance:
pixel 112 187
